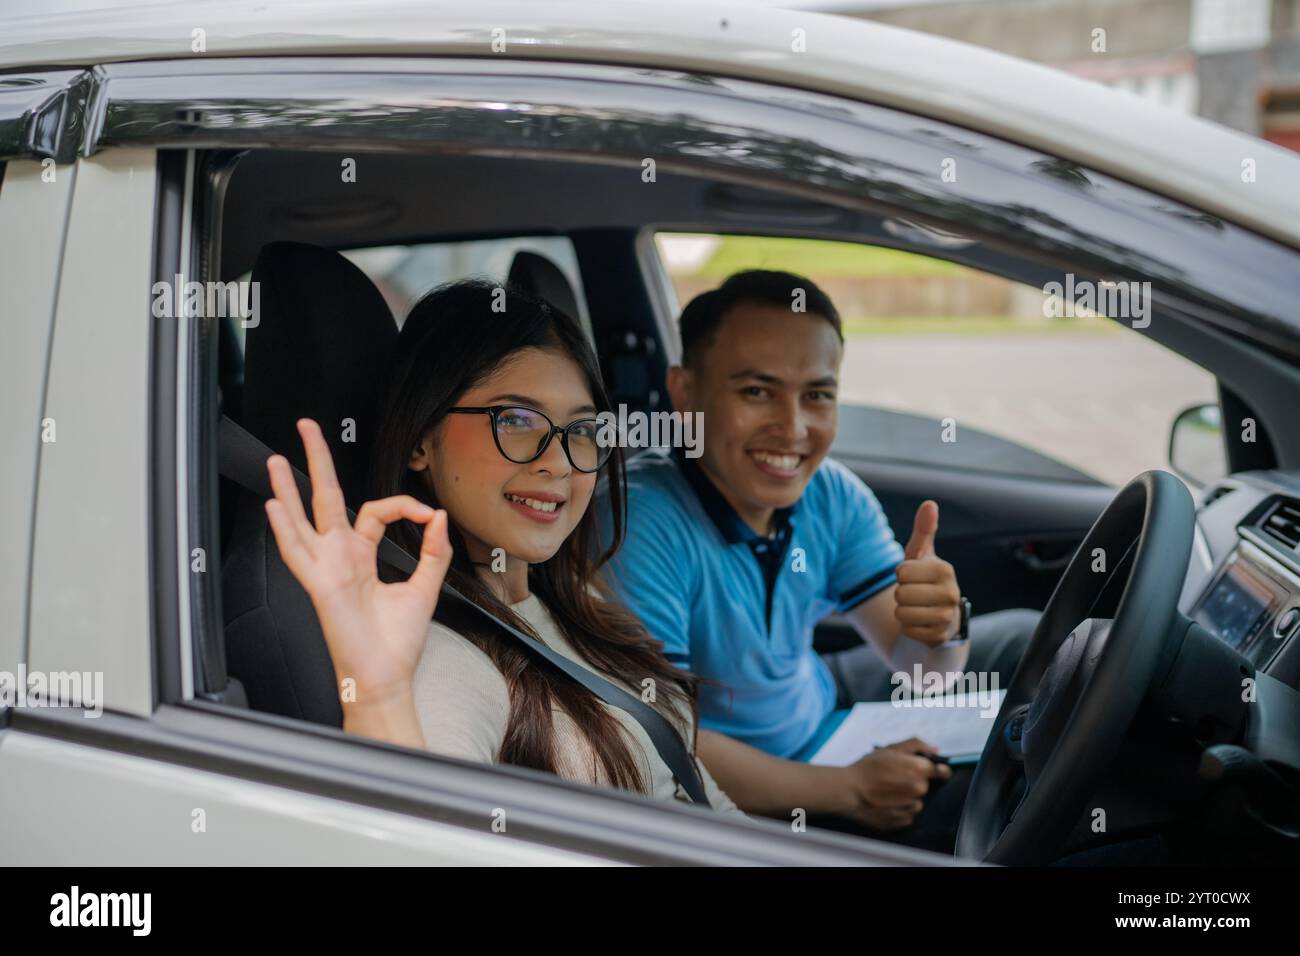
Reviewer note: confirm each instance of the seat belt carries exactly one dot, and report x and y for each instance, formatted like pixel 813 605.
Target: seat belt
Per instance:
pixel 243 460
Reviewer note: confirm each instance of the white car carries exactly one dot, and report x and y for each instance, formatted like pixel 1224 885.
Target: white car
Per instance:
pixel 171 143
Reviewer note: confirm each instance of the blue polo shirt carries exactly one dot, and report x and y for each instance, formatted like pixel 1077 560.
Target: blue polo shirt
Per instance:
pixel 738 608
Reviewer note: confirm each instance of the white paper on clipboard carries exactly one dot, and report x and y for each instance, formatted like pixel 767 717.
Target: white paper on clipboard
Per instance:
pixel 958 730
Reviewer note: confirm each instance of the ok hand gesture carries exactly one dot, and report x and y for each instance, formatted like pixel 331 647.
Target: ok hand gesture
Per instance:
pixel 375 631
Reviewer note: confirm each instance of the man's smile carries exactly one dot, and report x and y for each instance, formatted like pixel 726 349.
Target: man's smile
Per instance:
pixel 778 464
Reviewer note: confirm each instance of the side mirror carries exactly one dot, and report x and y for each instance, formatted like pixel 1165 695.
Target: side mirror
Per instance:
pixel 1196 448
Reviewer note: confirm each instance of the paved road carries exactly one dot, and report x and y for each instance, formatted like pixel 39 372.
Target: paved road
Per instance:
pixel 1101 403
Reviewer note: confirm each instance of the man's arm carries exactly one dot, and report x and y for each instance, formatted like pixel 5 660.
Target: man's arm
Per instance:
pixel 761 783
pixel 876 620
pixel 883 790
pixel 910 622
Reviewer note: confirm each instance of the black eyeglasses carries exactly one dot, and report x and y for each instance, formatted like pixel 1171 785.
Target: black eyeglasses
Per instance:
pixel 523 434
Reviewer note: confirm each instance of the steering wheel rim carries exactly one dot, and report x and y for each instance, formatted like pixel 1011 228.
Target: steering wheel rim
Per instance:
pixel 1094 676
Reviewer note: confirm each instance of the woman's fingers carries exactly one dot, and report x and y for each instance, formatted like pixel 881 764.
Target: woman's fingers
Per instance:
pixel 286 492
pixel 435 556
pixel 327 504
pixel 294 551
pixel 375 516
pixel 435 548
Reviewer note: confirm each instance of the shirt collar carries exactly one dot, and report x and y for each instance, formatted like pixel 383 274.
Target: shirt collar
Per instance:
pixel 731 525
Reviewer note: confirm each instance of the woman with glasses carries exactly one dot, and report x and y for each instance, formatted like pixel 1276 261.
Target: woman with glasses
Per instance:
pixel 486 461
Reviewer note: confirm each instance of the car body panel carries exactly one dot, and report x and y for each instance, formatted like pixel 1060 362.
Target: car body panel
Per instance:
pixel 34 202
pixel 108 808
pixel 1176 155
pixel 260 759
pixel 90 560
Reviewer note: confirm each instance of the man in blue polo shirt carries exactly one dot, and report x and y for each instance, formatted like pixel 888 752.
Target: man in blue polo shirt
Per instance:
pixel 731 559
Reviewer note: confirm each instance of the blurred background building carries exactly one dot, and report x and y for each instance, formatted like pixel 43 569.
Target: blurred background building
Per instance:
pixel 1236 62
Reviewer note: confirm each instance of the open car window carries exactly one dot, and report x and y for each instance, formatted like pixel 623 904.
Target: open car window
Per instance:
pixel 1072 394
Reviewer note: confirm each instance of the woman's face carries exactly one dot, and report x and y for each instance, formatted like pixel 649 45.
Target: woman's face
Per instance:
pixel 483 491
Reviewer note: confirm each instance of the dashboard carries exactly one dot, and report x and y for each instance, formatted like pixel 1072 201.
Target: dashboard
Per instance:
pixel 1244 581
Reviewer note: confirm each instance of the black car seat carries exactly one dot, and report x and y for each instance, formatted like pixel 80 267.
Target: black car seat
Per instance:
pixel 542 279
pixel 322 340
pixel 625 368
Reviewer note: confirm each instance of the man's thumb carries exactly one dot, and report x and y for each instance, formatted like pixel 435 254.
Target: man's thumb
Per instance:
pixel 921 544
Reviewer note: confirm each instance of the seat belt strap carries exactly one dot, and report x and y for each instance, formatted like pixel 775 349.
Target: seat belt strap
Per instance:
pixel 243 460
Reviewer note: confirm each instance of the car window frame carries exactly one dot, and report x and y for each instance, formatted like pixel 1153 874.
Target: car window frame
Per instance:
pixel 190 105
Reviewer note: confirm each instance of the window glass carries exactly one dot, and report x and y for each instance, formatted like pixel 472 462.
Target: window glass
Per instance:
pixel 938 340
pixel 404 273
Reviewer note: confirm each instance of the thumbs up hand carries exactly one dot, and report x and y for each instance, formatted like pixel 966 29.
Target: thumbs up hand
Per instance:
pixel 927 599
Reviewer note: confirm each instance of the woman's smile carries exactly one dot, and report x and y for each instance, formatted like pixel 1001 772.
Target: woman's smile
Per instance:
pixel 541 506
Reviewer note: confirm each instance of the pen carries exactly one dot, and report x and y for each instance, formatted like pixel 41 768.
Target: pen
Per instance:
pixel 933 758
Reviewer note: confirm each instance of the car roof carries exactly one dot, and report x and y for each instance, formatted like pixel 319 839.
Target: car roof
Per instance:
pixel 1180 156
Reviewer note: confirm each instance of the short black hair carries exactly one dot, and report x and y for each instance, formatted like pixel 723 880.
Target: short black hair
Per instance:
pixel 702 315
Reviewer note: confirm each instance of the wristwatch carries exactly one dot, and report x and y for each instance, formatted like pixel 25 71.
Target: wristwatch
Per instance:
pixel 963 632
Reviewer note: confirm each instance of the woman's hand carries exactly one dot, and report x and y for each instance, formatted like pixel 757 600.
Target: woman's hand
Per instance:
pixel 375 631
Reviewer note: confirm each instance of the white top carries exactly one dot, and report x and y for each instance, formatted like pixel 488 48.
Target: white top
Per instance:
pixel 463 705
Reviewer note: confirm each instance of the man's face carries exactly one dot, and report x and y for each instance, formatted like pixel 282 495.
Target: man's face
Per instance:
pixel 767 387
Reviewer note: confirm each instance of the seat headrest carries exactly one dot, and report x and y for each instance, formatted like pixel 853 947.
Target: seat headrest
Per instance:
pixel 543 279
pixel 318 351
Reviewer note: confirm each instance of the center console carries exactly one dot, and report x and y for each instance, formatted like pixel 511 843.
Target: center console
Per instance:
pixel 1252 603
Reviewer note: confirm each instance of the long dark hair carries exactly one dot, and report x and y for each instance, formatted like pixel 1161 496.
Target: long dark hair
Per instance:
pixel 451 340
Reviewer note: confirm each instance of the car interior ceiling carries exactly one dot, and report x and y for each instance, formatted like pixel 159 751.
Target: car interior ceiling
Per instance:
pixel 400 198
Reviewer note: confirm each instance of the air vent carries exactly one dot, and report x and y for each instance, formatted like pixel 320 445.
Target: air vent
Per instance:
pixel 1217 492
pixel 1281 522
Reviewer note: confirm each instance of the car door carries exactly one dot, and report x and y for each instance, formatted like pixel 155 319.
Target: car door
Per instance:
pixel 1007 534
pixel 165 766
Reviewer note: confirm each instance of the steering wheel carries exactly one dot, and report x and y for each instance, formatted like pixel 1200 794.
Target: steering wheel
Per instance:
pixel 1081 680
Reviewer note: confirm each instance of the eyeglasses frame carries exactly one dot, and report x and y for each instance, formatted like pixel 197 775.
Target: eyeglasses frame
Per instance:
pixel 562 430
